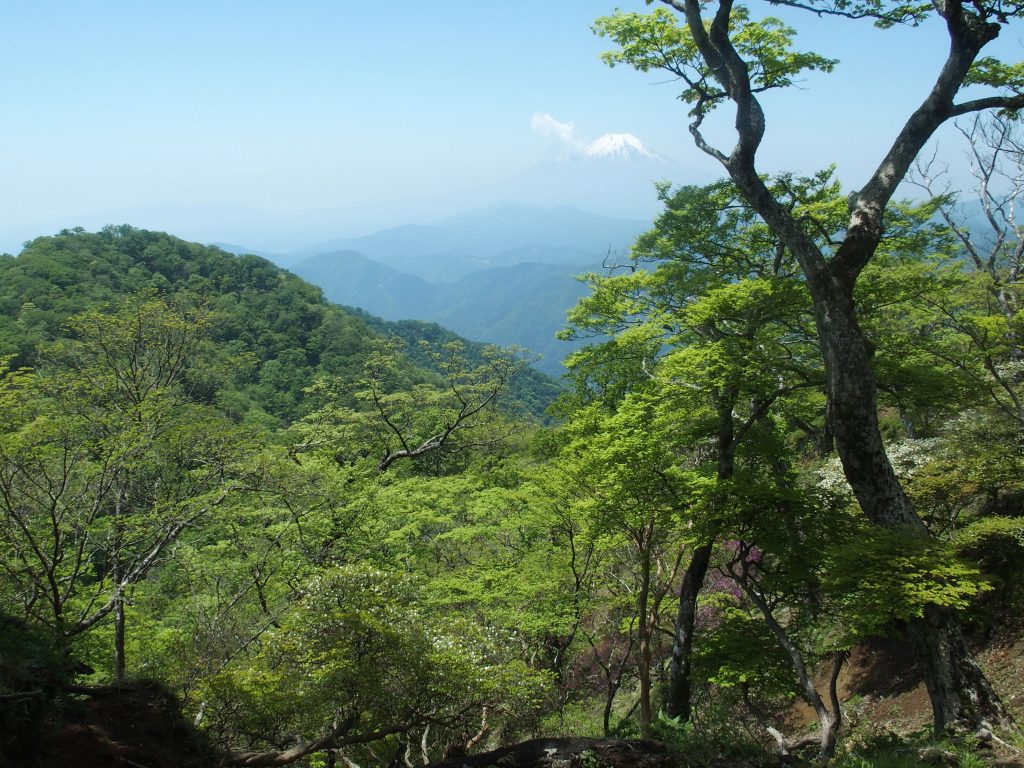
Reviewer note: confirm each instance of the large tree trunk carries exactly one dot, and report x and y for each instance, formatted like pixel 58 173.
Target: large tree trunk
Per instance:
pixel 677 704
pixel 851 386
pixel 854 409
pixel 959 691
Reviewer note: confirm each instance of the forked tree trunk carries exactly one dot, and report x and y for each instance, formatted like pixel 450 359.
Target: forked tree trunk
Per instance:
pixel 958 688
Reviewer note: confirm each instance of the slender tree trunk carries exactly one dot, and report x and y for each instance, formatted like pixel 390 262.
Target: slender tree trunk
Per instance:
pixel 119 664
pixel 606 715
pixel 829 720
pixel 613 680
pixel 646 715
pixel 677 704
pixel 119 621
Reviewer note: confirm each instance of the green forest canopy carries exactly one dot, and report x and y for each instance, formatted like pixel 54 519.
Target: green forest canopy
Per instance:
pixel 304 526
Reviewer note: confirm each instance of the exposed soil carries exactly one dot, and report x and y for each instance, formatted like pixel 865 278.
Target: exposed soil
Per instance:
pixel 139 726
pixel 881 686
pixel 893 693
pixel 881 680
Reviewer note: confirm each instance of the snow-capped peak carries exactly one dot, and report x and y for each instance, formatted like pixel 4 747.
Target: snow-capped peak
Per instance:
pixel 618 146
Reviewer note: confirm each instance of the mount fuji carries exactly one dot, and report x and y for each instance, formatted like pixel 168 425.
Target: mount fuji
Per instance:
pixel 613 175
pixel 621 147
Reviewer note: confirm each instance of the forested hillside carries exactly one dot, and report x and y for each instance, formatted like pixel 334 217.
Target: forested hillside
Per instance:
pixel 523 305
pixel 330 538
pixel 197 449
pixel 775 516
pixel 274 333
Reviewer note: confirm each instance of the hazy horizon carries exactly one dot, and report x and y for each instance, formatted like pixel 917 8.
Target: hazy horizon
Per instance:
pixel 275 127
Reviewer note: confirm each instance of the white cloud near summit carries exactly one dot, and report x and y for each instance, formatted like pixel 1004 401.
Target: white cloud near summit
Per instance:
pixel 544 124
pixel 615 146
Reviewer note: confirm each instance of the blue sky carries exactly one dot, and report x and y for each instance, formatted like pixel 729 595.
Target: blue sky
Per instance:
pixel 111 107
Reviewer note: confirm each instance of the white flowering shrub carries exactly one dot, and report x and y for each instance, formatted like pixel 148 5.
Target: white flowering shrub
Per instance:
pixel 907 458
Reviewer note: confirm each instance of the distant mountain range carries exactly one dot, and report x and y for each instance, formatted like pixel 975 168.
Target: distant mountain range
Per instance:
pixel 613 176
pixel 522 304
pixel 505 274
pixel 502 273
pixel 495 236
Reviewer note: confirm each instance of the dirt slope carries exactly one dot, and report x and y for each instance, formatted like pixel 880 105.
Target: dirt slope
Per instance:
pixel 131 727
